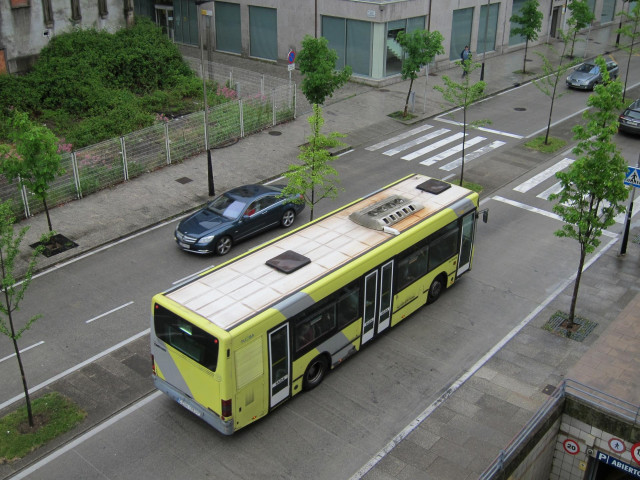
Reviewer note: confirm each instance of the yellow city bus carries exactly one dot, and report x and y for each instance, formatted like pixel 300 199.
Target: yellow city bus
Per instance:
pixel 233 343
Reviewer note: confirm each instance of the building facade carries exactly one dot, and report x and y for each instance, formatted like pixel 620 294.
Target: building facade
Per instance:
pixel 363 32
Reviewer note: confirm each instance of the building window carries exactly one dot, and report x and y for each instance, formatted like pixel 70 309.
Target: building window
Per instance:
pixel 515 10
pixel 47 13
pixel 103 11
pixel 19 3
pixel 460 31
pixel 359 47
pixel 608 11
pixel 75 11
pixel 487 30
pixel 228 33
pixel 335 31
pixel 263 32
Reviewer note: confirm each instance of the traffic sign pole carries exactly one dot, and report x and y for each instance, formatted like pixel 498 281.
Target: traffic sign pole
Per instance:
pixel 627 222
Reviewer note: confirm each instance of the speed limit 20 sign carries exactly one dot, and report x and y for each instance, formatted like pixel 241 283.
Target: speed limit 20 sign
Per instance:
pixel 571 446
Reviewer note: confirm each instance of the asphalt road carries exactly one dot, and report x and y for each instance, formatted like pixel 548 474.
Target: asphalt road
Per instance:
pixel 331 432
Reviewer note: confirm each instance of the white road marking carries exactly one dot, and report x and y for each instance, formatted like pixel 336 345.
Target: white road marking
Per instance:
pixel 21 351
pixel 433 146
pixel 469 373
pixel 110 311
pixel 542 176
pixel 77 367
pixel 451 151
pixel 484 129
pixel 473 155
pixel 415 142
pixel 397 138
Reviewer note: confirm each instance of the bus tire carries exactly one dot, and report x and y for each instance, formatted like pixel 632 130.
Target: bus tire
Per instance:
pixel 315 372
pixel 436 288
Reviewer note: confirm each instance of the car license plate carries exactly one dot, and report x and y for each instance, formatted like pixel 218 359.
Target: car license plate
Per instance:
pixel 184 245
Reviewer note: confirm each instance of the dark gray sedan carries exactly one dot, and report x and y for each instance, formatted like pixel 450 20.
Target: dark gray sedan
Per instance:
pixel 235 215
pixel 629 120
pixel 588 75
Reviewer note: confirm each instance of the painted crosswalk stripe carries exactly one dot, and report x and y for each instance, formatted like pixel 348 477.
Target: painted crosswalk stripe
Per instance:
pixel 555 188
pixel 483 129
pixel 417 141
pixel 433 146
pixel 447 153
pixel 397 138
pixel 473 155
pixel 542 176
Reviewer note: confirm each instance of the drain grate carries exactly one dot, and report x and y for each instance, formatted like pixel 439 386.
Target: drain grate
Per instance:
pixel 636 239
pixel 275 133
pixel 548 390
pixel 583 326
pixel 520 109
pixel 184 180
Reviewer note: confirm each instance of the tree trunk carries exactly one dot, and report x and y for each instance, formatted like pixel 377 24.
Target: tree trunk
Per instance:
pixel 576 286
pixel 406 103
pixel 524 63
pixel 46 210
pixel 464 136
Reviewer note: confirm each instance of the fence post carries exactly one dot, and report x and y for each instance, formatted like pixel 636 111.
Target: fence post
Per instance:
pixel 124 159
pixel 241 108
pixel 76 174
pixel 167 142
pixel 295 101
pixel 25 198
pixel 273 106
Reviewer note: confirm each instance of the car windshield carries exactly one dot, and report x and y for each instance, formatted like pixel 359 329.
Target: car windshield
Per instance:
pixel 635 114
pixel 588 68
pixel 227 206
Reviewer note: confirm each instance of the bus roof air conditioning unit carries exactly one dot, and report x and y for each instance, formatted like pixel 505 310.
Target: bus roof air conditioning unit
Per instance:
pixel 385 213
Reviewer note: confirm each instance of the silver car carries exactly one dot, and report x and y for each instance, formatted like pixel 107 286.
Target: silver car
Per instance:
pixel 588 75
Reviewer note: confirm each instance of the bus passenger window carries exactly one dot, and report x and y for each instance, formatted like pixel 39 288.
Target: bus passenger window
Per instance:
pixel 304 334
pixel 348 308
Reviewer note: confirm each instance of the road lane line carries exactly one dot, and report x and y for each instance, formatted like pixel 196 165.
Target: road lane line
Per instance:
pixel 472 155
pixel 110 311
pixel 433 146
pixel 542 176
pixel 484 129
pixel 77 367
pixel 472 371
pixel 415 142
pixel 86 436
pixel 21 351
pixel 452 150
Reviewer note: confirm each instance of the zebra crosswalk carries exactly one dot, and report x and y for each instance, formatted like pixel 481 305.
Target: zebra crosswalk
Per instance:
pixel 425 147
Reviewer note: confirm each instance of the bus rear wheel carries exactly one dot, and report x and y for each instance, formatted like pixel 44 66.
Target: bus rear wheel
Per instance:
pixel 436 288
pixel 316 370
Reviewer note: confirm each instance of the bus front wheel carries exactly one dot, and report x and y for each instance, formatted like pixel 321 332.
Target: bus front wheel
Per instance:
pixel 436 288
pixel 316 370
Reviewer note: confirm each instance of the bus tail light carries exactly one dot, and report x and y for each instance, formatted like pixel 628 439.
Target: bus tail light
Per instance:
pixel 226 408
pixel 153 365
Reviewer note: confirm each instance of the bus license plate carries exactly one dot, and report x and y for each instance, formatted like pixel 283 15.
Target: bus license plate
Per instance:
pixel 189 407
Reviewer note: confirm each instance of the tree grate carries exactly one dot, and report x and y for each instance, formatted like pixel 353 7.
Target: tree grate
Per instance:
pixel 582 329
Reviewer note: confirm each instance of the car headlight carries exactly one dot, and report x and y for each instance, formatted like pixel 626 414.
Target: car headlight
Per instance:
pixel 207 239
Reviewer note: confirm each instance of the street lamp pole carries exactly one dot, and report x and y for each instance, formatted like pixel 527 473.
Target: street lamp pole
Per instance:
pixel 484 53
pixel 620 25
pixel 204 95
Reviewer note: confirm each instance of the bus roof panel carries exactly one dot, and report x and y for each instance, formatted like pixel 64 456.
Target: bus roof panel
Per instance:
pixel 238 290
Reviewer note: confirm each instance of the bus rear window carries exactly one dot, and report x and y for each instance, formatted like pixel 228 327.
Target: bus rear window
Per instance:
pixel 185 337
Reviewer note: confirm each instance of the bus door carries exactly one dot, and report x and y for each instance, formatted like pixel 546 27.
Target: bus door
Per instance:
pixel 279 375
pixel 378 295
pixel 466 242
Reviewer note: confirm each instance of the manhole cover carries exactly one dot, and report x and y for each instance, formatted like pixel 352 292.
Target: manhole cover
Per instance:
pixel 275 133
pixel 183 180
pixel 529 60
pixel 383 90
pixel 520 109
pixel 548 390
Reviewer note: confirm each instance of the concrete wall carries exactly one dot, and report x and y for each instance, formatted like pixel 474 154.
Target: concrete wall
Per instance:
pixel 23 32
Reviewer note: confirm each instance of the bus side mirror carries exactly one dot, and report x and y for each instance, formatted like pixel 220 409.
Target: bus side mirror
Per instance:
pixel 485 215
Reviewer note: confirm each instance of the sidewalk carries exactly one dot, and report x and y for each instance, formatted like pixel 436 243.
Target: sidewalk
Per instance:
pixel 471 425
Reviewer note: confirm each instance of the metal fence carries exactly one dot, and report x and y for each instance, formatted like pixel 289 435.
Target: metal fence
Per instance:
pixel 568 388
pixel 261 102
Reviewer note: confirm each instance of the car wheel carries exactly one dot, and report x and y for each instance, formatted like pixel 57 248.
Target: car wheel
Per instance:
pixel 436 288
pixel 288 218
pixel 223 245
pixel 315 372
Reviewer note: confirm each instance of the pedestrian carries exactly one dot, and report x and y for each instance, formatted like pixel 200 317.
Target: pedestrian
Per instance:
pixel 464 56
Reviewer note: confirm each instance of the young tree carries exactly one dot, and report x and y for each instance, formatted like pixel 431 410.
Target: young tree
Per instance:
pixel 462 95
pixel 632 31
pixel 529 20
pixel 581 17
pixel 420 48
pixel 548 83
pixel 32 157
pixel 318 66
pixel 593 188
pixel 14 292
pixel 314 179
